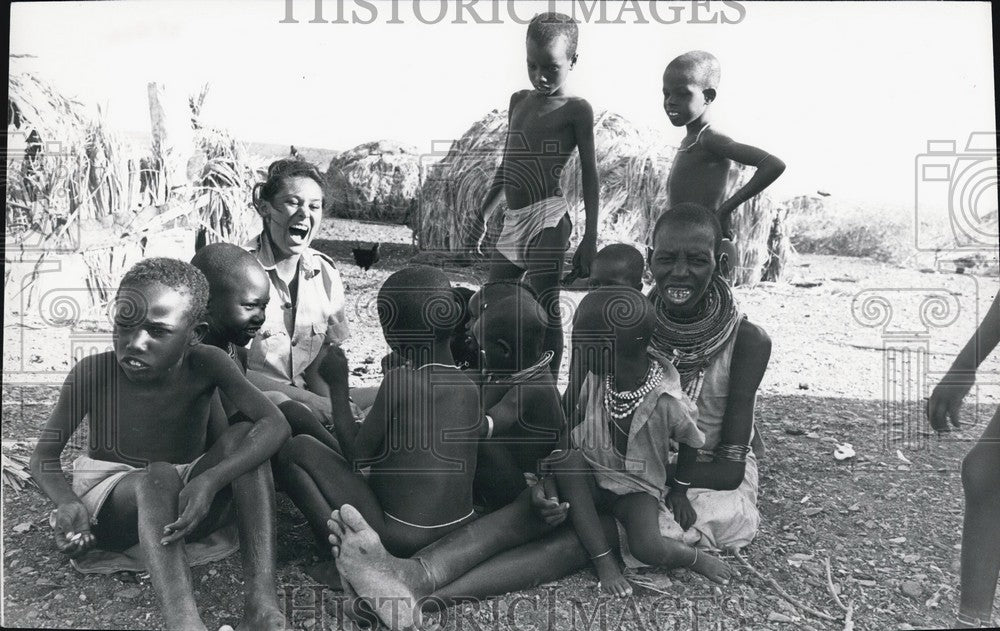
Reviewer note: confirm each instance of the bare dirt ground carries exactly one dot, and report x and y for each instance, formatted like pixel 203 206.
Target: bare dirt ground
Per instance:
pixel 855 345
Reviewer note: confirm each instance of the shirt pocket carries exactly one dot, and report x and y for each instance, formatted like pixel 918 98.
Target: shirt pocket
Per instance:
pixel 270 352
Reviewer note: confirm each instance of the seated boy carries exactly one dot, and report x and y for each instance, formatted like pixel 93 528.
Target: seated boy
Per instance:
pixel 701 169
pixel 239 291
pixel 526 419
pixel 630 407
pixel 617 265
pixel 148 478
pixel 545 125
pixel 420 437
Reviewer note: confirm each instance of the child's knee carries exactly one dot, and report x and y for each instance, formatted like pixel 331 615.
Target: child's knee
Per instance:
pixel 161 478
pixel 569 461
pixel 334 365
pixel 295 410
pixel 276 398
pixel 981 474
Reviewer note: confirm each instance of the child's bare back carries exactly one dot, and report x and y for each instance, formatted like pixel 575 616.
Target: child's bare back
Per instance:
pixel 422 471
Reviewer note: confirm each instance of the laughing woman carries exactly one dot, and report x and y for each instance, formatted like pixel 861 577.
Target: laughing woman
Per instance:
pixel 305 322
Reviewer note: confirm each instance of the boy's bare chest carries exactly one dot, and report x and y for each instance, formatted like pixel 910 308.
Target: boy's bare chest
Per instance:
pixel 541 129
pixel 698 175
pixel 152 412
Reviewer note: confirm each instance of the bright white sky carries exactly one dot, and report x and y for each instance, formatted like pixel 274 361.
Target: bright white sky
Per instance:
pixel 846 94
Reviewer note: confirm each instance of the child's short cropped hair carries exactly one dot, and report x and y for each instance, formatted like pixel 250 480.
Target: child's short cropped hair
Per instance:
pixel 178 275
pixel 627 257
pixel 418 301
pixel 546 27
pixel 701 66
pixel 690 214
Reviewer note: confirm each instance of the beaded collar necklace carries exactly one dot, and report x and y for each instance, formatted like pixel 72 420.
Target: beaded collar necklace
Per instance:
pixel 621 405
pixel 691 344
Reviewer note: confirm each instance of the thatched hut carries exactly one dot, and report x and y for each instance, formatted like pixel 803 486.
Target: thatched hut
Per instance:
pixel 377 180
pixel 633 164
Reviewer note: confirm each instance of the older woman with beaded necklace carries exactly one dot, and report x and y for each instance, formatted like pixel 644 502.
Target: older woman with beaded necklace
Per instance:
pixel 721 357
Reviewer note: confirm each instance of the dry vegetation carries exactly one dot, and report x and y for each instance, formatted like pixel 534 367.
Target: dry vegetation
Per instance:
pixel 633 164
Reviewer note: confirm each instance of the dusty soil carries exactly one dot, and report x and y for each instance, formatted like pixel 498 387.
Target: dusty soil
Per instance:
pixel 889 520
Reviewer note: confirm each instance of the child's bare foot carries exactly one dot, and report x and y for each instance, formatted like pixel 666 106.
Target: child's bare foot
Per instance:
pixel 610 578
pixel 392 585
pixel 712 568
pixel 261 617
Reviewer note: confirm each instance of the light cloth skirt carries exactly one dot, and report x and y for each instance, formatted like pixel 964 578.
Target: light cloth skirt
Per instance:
pixel 522 226
pixel 726 519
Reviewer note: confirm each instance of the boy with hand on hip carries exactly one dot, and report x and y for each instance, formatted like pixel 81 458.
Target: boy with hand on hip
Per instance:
pixel 701 170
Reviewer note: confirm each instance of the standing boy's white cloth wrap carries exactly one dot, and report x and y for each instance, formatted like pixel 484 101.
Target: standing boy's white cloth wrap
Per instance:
pixel 522 226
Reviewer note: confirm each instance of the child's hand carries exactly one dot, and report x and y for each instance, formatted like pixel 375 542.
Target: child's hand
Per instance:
pixel 550 508
pixel 71 527
pixel 584 256
pixel 726 222
pixel 684 513
pixel 193 503
pixel 946 399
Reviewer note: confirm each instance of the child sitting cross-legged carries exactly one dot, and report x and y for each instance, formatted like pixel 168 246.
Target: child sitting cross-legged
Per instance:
pixel 630 406
pixel 238 295
pixel 161 470
pixel 419 439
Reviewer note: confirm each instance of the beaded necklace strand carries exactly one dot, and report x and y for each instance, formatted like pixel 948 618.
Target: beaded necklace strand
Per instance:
pixel 621 405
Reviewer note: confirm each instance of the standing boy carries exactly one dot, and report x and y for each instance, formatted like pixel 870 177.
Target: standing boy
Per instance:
pixel 703 164
pixel 149 477
pixel 545 125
